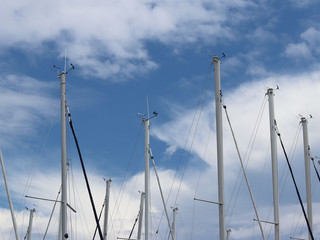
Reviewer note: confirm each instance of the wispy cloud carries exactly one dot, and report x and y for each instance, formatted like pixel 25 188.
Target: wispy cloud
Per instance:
pixel 112 40
pixel 307 48
pixel 24 103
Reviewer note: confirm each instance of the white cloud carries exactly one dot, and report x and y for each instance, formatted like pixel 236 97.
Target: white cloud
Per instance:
pixel 303 3
pixel 109 39
pixel 298 50
pixel 24 103
pixel 263 35
pixel 312 37
pixel 307 48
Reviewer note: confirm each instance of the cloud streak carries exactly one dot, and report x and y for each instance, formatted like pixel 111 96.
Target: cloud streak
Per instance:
pixel 24 103
pixel 109 39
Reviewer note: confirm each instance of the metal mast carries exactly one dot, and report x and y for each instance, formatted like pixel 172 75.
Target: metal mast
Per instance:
pixel 274 159
pixel 106 210
pixel 9 198
pixel 304 123
pixel 174 222
pixel 64 234
pixel 30 224
pixel 140 215
pixel 218 102
pixel 146 123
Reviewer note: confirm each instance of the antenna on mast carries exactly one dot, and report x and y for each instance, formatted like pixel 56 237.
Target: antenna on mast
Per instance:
pixel 65 65
pixel 65 59
pixel 66 72
pixel 147 105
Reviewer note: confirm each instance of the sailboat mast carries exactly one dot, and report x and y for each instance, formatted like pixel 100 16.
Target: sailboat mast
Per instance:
pixel 64 234
pixel 30 224
pixel 218 100
pixel 147 176
pixel 274 159
pixel 14 222
pixel 304 123
pixel 174 222
pixel 140 215
pixel 106 209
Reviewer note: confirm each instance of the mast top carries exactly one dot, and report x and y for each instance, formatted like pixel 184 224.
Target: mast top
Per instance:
pixel 303 119
pixel 215 59
pixel 270 90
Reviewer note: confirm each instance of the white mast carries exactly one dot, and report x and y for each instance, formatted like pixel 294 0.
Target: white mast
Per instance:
pixel 106 209
pixel 274 160
pixel 9 198
pixel 140 215
pixel 304 123
pixel 30 224
pixel 174 222
pixel 64 234
pixel 228 233
pixel 218 100
pixel 146 123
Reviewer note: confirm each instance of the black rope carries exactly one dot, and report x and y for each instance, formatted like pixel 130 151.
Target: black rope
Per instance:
pixel 95 231
pixel 294 182
pixel 315 168
pixel 85 176
pixel 135 222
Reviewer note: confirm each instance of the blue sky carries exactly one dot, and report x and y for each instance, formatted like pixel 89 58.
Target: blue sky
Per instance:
pixel 126 51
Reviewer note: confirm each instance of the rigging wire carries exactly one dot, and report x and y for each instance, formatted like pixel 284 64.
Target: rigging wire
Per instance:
pixel 50 218
pixel 198 109
pixel 35 162
pixel 124 183
pixel 198 181
pixel 246 157
pixel 314 185
pixel 68 162
pixel 69 198
pixel 133 188
pixel 300 215
pixel 85 175
pixel 135 222
pixel 200 105
pixel 294 181
pixel 37 159
pixel 315 168
pixel 244 173
pixel 161 193
pixel 291 154
pixel 81 207
pixel 99 218
pixel 285 170
pixel 183 227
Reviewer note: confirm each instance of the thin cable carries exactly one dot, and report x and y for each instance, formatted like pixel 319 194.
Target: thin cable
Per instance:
pixel 315 168
pixel 85 176
pixel 50 218
pixel 192 141
pixel 124 183
pixel 200 103
pixel 133 189
pixel 161 193
pixel 183 227
pixel 244 174
pixel 295 184
pixel 95 231
pixel 247 158
pixel 83 221
pixel 193 208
